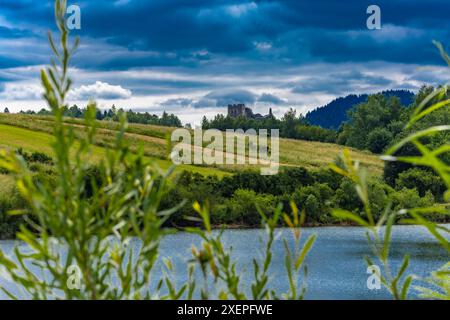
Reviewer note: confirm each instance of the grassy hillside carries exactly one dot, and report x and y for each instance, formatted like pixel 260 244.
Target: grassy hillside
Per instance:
pixel 6 183
pixel 34 133
pixel 12 137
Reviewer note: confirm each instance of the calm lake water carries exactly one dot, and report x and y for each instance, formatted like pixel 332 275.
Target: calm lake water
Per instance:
pixel 336 268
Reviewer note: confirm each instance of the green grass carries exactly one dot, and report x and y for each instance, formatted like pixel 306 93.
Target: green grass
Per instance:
pixel 6 183
pixel 14 137
pixel 311 154
pixel 297 153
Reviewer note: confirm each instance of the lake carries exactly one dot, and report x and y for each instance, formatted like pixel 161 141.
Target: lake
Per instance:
pixel 336 266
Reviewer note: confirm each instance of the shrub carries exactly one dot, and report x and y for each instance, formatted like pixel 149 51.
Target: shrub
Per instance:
pixel 245 203
pixel 410 198
pixel 285 182
pixel 314 133
pixel 9 225
pixel 92 180
pixel 378 195
pixel 378 140
pixel 422 180
pixel 327 176
pixel 315 199
pixel 392 169
pixel 312 207
pixel 345 196
pixel 35 157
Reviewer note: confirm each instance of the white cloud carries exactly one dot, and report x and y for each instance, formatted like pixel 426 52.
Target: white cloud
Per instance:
pixel 4 22
pixel 262 46
pixel 170 89
pixel 388 33
pixel 241 9
pixel 21 91
pixel 99 90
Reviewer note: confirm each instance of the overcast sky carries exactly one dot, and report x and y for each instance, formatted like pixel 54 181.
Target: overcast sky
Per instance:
pixel 194 57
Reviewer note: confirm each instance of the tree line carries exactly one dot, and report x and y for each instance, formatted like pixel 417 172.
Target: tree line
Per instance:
pixel 113 114
pixel 290 126
pixel 236 199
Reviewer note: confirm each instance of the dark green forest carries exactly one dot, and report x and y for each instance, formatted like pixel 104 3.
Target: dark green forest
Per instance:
pixel 335 113
pixel 235 200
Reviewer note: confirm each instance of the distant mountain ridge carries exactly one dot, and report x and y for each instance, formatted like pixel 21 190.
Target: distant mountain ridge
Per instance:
pixel 333 114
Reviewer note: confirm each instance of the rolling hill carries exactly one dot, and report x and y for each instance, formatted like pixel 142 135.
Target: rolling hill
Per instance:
pixel 34 133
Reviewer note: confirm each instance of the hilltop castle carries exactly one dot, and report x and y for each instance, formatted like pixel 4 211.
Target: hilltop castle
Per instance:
pixel 240 110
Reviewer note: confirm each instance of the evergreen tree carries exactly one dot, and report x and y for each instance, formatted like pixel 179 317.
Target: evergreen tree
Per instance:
pixel 205 123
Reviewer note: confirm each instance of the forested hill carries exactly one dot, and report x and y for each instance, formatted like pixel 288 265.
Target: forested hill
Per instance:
pixel 334 113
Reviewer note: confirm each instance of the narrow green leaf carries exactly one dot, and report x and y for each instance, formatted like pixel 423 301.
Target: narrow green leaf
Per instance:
pixel 306 248
pixel 347 215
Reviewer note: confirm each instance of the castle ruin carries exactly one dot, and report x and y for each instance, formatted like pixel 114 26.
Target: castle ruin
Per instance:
pixel 240 110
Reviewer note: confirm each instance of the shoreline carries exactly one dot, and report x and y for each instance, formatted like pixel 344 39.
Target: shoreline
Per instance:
pixel 305 226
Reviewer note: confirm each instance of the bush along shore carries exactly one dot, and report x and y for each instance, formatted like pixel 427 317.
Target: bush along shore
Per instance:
pixel 235 201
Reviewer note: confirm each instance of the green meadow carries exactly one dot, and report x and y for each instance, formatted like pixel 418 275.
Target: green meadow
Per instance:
pixel 34 133
pixel 12 137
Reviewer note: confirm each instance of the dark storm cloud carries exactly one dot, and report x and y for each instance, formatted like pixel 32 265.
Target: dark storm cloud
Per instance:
pixel 225 97
pixel 233 48
pixel 180 102
pixel 340 82
pixel 7 62
pixel 12 33
pixel 270 98
pixel 318 29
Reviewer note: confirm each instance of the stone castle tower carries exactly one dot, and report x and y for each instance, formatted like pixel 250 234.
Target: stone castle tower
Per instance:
pixel 236 110
pixel 240 110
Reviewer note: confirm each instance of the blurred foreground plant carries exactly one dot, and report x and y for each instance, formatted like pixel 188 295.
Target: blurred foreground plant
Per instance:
pixel 434 159
pixel 215 259
pixel 75 234
pixel 99 239
pixel 380 241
